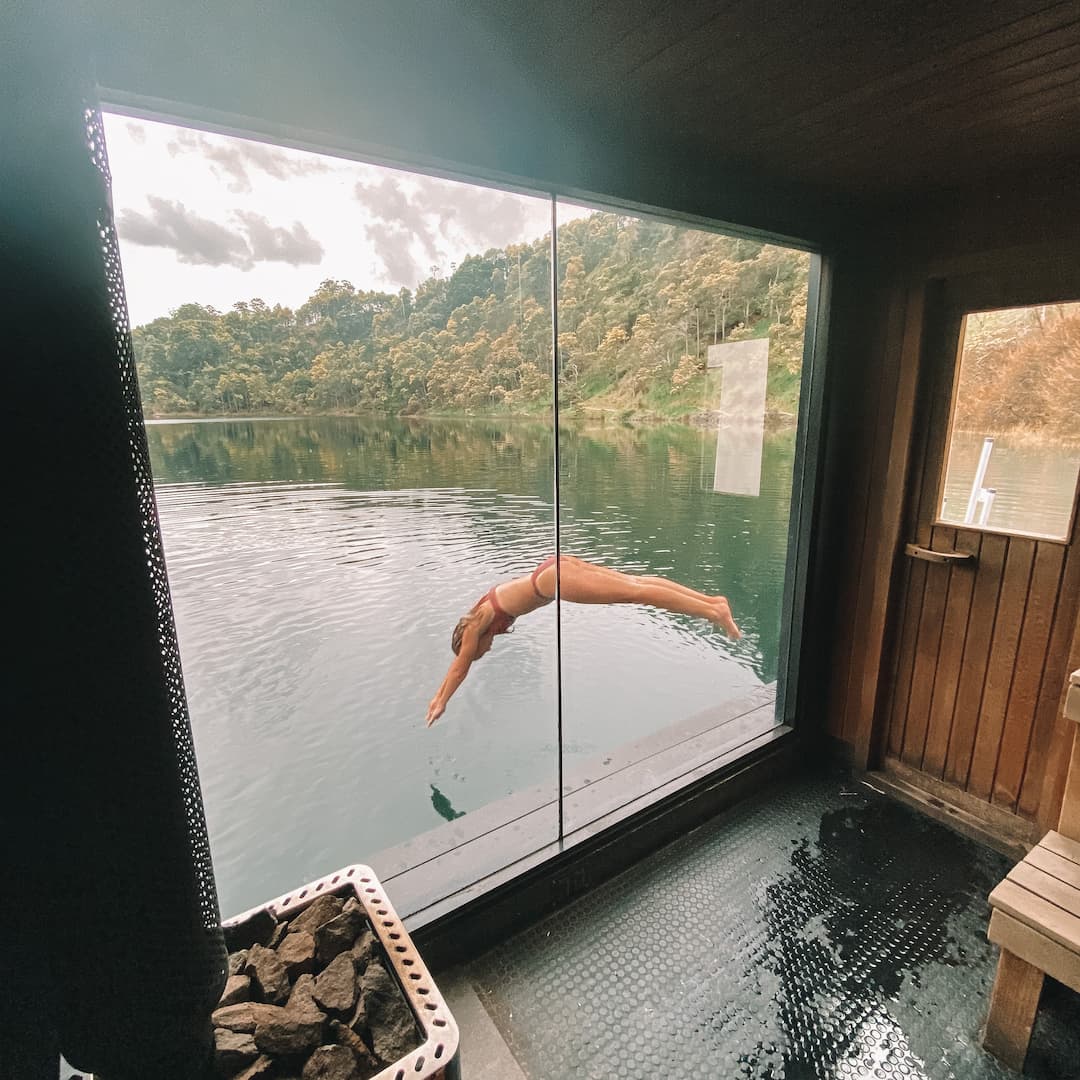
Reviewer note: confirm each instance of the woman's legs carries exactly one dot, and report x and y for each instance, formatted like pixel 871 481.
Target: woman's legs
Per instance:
pixel 584 583
pixel 666 583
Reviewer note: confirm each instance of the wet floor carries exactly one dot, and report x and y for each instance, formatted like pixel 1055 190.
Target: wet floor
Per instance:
pixel 817 930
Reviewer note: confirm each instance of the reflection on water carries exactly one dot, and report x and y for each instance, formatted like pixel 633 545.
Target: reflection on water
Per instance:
pixel 318 568
pixel 1034 484
pixel 442 807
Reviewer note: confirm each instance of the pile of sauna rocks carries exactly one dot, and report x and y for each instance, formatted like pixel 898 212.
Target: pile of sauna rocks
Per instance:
pixel 310 998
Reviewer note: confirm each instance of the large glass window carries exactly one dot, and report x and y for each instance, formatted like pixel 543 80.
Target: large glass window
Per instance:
pixel 680 361
pixel 347 372
pixel 1013 458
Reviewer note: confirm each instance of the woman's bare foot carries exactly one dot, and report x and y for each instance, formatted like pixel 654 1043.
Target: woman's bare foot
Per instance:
pixel 723 618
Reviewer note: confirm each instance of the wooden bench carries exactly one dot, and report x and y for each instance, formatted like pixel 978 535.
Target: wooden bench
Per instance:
pixel 1036 919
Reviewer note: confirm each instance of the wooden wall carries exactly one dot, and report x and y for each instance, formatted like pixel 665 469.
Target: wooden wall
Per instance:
pixel 1025 229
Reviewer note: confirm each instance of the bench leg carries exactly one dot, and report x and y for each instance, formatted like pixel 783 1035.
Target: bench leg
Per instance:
pixel 1014 1001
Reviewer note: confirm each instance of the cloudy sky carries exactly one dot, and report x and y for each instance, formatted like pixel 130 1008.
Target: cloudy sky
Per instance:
pixel 215 219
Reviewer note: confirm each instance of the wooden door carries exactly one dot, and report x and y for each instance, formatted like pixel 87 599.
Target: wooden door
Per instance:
pixel 981 645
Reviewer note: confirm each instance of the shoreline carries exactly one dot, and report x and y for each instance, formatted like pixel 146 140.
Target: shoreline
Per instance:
pixel 774 420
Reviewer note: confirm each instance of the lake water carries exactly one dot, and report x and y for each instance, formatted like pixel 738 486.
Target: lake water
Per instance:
pixel 1034 484
pixel 318 566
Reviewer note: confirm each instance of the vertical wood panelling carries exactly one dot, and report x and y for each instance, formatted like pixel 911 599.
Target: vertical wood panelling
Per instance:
pixel 953 640
pixel 850 424
pixel 891 307
pixel 1053 788
pixel 850 594
pixel 954 671
pixel 873 664
pixel 1031 659
pixel 901 687
pixel 1002 664
pixel 1048 721
pixel 969 691
pixel 918 574
pixel 927 647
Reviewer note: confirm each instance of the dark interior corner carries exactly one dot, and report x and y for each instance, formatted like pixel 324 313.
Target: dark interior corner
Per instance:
pixel 930 153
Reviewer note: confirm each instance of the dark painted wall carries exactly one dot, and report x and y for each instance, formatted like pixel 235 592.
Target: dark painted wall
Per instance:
pixel 427 81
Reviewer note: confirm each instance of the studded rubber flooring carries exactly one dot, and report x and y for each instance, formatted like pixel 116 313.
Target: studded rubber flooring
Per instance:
pixel 817 930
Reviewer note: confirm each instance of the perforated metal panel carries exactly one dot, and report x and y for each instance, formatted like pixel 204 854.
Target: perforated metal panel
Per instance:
pixel 121 952
pixel 134 435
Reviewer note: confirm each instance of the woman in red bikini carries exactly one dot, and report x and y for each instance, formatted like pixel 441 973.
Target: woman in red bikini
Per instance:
pixel 579 582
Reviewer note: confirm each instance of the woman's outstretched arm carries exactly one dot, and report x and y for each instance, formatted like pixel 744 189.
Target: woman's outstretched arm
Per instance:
pixel 455 676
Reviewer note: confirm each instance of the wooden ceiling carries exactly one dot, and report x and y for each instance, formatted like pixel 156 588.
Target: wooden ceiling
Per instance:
pixel 857 100
pixel 850 94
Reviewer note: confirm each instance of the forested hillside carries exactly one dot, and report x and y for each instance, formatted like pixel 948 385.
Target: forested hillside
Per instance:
pixel 639 303
pixel 1021 373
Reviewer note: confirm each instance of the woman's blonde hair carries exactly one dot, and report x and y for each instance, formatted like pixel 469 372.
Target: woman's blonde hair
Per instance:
pixel 459 630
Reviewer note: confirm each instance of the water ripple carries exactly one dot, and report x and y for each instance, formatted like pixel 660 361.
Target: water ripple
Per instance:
pixel 314 616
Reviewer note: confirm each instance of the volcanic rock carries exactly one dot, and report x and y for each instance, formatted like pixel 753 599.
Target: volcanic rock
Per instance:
pixel 254 930
pixel 331 1063
pixel 385 1014
pixel 278 936
pixel 283 1031
pixel 268 974
pixel 345 1035
pixel 237 960
pixel 302 998
pixel 335 989
pixel 312 917
pixel 365 948
pixel 337 935
pixel 297 953
pixel 233 1050
pixel 235 1018
pixel 237 989
pixel 259 1068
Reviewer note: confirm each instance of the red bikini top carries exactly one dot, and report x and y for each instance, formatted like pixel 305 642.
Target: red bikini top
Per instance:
pixel 503 621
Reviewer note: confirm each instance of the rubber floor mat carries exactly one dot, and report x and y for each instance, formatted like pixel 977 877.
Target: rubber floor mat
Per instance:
pixel 816 930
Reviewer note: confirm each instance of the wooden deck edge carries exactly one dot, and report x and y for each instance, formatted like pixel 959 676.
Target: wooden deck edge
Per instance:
pixel 995 828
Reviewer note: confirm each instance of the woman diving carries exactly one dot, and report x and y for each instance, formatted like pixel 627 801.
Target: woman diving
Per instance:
pixel 580 582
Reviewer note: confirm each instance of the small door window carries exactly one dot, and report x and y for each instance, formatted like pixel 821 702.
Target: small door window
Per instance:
pixel 1014 436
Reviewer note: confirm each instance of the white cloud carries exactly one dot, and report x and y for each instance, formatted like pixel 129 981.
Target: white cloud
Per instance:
pixel 215 219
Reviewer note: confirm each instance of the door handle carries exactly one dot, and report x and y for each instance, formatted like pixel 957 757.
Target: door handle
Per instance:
pixel 928 555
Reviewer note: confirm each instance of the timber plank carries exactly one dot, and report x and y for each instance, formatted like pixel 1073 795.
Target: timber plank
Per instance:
pixel 977 62
pixel 921 498
pixel 927 649
pixel 1069 819
pixel 1050 888
pixel 1061 845
pixel 1001 665
pixel 901 689
pixel 1044 776
pixel 1031 659
pixel 1056 923
pixel 667 30
pixel 1014 1001
pixel 984 127
pixel 976 656
pixel 864 514
pixel 1007 88
pixel 876 673
pixel 953 639
pixel 1037 949
pixel 1050 862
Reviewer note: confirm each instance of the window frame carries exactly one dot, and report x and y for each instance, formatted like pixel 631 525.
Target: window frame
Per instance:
pixel 957 352
pixel 711 783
